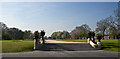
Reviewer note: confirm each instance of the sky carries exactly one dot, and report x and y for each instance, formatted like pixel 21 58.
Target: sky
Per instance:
pixel 55 16
pixel 59 0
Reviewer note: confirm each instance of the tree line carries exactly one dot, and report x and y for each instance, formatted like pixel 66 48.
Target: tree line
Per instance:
pixel 110 26
pixel 14 33
pixel 79 32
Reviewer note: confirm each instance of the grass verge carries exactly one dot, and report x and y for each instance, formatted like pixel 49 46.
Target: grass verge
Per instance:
pixel 17 45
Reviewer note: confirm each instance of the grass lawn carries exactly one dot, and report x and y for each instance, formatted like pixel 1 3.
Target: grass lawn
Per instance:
pixel 26 45
pixel 108 45
pixel 111 45
pixel 17 45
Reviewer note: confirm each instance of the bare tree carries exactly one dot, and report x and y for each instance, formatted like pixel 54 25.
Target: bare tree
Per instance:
pixel 103 25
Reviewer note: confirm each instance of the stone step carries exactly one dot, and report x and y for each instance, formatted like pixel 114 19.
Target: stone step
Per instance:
pixel 66 47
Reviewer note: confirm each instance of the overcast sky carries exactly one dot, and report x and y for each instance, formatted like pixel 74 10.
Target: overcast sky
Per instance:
pixel 55 16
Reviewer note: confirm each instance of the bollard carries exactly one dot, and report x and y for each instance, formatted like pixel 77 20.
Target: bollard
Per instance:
pixel 88 40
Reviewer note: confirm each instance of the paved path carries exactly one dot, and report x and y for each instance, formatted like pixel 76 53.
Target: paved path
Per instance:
pixel 64 49
pixel 53 45
pixel 98 53
pixel 55 41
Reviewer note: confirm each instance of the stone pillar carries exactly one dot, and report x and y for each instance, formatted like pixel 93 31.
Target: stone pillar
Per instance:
pixel 36 44
pixel 88 40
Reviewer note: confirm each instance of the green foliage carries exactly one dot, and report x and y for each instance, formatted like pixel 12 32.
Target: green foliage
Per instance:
pixel 14 33
pixel 6 36
pixel 46 37
pixel 110 25
pixel 66 35
pixel 28 34
pixel 117 21
pixel 0 36
pixel 60 35
pixel 53 36
pixel 0 33
pixel 113 32
pixel 80 32
pixel 102 25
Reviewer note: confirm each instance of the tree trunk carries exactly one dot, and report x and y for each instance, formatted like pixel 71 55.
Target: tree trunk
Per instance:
pixel 103 34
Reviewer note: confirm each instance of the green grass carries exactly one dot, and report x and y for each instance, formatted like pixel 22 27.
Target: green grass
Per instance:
pixel 108 45
pixel 17 45
pixel 111 45
pixel 26 45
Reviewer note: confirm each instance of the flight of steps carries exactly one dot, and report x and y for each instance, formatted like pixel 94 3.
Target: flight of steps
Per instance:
pixel 66 47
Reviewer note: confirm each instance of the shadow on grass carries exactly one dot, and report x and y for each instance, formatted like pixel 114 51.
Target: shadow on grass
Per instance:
pixel 110 45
